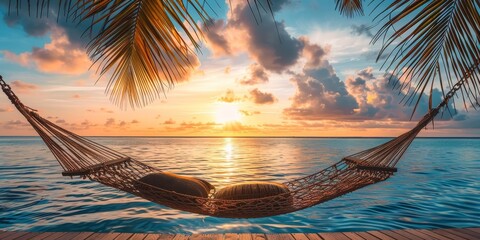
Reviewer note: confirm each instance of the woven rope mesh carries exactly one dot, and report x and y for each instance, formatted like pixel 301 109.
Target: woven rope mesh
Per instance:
pixel 80 156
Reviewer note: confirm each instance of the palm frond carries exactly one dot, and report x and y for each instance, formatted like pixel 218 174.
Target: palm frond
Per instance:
pixel 432 43
pixel 141 45
pixel 144 46
pixel 349 8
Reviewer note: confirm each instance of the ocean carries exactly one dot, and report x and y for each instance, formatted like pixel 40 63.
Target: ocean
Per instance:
pixel 437 186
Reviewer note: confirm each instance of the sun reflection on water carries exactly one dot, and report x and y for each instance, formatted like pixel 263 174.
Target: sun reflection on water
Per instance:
pixel 228 165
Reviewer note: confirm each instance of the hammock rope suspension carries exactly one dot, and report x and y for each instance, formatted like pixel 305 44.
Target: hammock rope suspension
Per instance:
pixel 79 156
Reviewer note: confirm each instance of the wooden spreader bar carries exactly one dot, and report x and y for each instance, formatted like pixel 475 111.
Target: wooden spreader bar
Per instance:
pixel 358 164
pixel 93 168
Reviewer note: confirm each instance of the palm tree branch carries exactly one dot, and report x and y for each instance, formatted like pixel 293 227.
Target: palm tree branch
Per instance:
pixel 432 34
pixel 349 8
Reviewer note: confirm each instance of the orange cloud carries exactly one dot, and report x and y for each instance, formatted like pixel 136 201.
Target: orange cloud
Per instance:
pixel 229 97
pixel 23 87
pixel 259 97
pixel 169 122
pixel 58 56
pixel 256 75
pixel 6 109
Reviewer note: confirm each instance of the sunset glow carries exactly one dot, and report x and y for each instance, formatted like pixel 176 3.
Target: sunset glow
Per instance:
pixel 227 113
pixel 321 79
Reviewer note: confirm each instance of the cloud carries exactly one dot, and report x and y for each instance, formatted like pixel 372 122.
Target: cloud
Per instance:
pixel 257 75
pixel 23 87
pixel 169 122
pixel 266 41
pixel 103 110
pixel 6 109
pixel 259 97
pixel 227 70
pixel 214 30
pixel 320 94
pixel 60 121
pixel 59 56
pixel 197 126
pixel 229 97
pixel 31 25
pixel 378 100
pixel 249 113
pixel 110 122
pixel 362 29
pixel 16 124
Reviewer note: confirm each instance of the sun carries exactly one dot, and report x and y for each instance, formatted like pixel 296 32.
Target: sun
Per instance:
pixel 227 112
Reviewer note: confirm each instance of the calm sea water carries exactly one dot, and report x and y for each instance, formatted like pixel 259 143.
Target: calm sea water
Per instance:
pixel 438 185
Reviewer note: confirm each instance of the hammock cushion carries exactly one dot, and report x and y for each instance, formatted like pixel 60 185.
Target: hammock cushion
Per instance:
pixel 176 183
pixel 251 190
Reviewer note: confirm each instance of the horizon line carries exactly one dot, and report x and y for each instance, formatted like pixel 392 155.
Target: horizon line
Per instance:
pixel 173 136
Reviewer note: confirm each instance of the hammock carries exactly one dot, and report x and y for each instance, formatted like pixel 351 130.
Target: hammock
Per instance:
pixel 80 156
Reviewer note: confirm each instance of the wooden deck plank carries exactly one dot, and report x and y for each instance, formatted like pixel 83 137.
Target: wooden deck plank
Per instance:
pixel 461 233
pixel 123 236
pixel 109 236
pixel 313 236
pixel 71 235
pixel 394 235
pixel 245 236
pixel 96 236
pixel 231 236
pixel 353 236
pixel 56 235
pixel 82 235
pixel 380 235
pixel 468 231
pixel 434 235
pixel 368 236
pixel 180 237
pixel 477 230
pixel 448 234
pixel 258 236
pixel 333 236
pixel 159 237
pixel 42 236
pixel 29 235
pixel 299 236
pixel 5 234
pixel 407 235
pixel 419 233
pixel 282 236
pixel 16 235
pixel 138 236
pixel 206 237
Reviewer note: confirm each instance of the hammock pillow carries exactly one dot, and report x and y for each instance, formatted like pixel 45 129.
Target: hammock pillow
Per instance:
pixel 251 190
pixel 176 183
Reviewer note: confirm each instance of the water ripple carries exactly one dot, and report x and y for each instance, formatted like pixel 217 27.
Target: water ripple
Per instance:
pixel 434 188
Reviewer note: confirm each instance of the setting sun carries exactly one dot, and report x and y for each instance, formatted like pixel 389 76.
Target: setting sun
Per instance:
pixel 227 112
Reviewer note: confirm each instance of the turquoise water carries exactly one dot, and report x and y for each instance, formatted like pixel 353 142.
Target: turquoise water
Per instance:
pixel 437 186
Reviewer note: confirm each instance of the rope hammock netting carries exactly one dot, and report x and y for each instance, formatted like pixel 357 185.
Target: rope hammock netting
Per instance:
pixel 80 156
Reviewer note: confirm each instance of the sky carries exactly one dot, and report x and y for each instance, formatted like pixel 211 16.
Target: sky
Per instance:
pixel 307 72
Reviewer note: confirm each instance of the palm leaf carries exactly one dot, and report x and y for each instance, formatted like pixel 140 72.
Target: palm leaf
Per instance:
pixel 141 45
pixel 144 46
pixel 432 43
pixel 349 8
